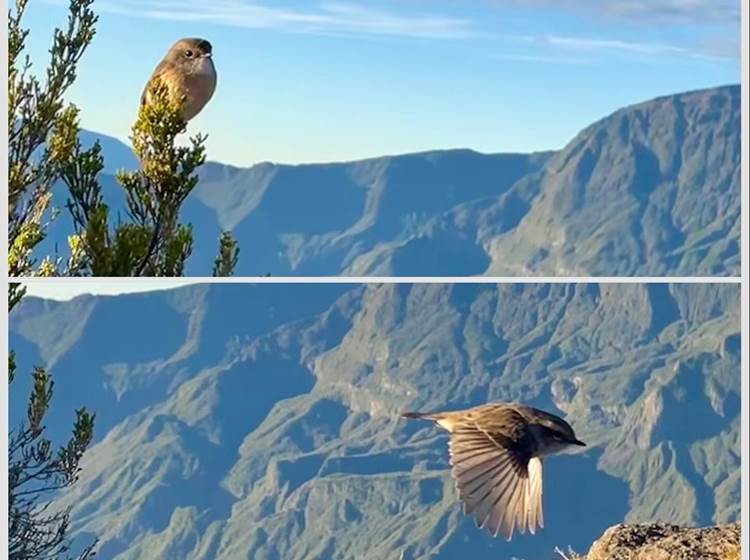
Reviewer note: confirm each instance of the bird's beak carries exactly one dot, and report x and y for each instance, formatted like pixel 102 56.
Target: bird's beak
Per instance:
pixel 578 442
pixel 207 55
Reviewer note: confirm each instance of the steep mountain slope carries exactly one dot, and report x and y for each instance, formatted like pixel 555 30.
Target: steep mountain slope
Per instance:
pixel 262 421
pixel 650 190
pixel 653 189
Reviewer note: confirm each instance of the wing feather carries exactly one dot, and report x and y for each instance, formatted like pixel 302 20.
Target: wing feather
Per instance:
pixel 499 487
pixel 500 499
pixel 534 495
pixel 511 509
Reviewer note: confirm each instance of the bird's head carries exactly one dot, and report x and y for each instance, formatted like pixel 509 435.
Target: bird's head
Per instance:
pixel 192 54
pixel 554 434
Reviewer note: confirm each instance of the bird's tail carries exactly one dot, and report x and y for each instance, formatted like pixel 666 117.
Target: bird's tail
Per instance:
pixel 418 415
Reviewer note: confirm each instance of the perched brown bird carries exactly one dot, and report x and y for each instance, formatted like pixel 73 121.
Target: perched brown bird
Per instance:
pixel 188 70
pixel 496 453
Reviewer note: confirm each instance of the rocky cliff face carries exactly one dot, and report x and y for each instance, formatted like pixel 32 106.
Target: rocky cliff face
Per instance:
pixel 262 421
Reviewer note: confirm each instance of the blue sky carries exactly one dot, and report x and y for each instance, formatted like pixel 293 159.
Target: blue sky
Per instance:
pixel 336 80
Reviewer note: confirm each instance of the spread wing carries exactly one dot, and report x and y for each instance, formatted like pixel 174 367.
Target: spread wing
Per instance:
pixel 499 486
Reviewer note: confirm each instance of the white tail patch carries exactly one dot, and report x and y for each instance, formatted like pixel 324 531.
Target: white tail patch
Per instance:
pixel 447 423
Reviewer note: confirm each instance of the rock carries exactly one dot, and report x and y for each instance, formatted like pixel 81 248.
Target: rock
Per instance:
pixel 660 541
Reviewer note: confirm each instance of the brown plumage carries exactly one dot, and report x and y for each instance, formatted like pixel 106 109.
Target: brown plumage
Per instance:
pixel 187 70
pixel 496 455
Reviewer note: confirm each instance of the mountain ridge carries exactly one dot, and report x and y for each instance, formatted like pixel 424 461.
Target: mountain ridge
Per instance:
pixel 650 190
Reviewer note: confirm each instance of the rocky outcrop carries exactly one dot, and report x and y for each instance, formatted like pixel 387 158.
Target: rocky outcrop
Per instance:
pixel 660 541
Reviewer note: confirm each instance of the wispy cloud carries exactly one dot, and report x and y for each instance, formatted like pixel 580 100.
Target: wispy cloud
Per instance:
pixel 540 59
pixel 322 18
pixel 590 44
pixel 657 12
pixel 725 46
pixel 703 50
pixel 355 19
pixel 564 49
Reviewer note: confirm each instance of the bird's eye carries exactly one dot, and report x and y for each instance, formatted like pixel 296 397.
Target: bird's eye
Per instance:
pixel 189 53
pixel 557 437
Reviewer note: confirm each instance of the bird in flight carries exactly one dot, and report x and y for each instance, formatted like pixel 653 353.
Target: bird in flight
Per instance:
pixel 188 72
pixel 496 453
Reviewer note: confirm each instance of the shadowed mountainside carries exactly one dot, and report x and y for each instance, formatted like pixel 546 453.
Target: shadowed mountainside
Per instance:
pixel 653 189
pixel 262 421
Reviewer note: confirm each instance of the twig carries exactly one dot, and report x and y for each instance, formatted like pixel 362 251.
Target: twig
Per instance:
pixel 151 247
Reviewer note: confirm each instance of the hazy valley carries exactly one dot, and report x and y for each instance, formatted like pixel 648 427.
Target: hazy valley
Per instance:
pixel 261 421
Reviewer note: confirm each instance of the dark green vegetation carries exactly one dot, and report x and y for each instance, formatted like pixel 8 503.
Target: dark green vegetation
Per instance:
pixel 50 171
pixel 38 470
pixel 262 421
pixel 653 189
